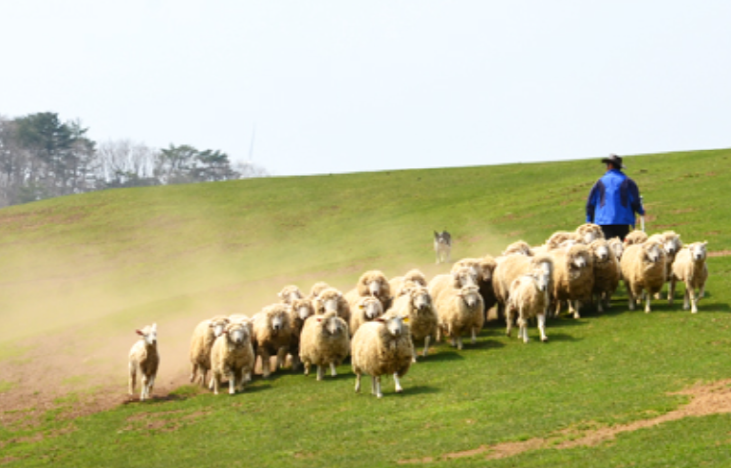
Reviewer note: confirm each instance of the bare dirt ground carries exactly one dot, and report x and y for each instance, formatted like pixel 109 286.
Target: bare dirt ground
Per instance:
pixel 706 399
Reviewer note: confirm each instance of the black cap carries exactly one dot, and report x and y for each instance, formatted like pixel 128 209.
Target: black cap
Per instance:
pixel 614 159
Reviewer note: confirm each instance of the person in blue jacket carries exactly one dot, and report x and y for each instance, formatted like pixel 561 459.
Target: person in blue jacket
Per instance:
pixel 613 201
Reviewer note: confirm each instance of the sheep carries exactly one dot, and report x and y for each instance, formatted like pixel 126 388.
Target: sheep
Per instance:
pixel 289 294
pixel 417 305
pixel 690 267
pixel 606 273
pixel 617 246
pixel 483 269
pixel 459 311
pixel 573 277
pixel 562 237
pixel 317 288
pixel 412 277
pixel 331 299
pixel 272 333
pixel 512 267
pixel 458 277
pixel 201 342
pixel 144 360
pixel 589 232
pixel 635 237
pixel 371 283
pixel 528 299
pixel 299 311
pixel 519 247
pixel 364 310
pixel 672 244
pixel 382 347
pixel 643 269
pixel 325 341
pixel 232 358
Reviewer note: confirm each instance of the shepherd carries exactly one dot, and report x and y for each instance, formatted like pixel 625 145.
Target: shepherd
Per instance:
pixel 613 201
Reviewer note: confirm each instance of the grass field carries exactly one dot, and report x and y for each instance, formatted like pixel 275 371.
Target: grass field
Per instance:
pixel 81 273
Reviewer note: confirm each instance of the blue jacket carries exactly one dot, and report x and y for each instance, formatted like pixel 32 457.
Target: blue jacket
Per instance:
pixel 614 199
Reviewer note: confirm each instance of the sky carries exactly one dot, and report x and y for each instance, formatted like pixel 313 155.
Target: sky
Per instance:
pixel 350 86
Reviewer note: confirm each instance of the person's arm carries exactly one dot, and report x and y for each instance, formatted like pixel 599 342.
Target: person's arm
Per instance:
pixel 635 199
pixel 591 203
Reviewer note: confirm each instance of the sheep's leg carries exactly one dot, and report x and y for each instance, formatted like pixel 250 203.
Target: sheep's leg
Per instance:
pixel 686 299
pixel 576 309
pixel 671 291
pixel 459 342
pixel 295 362
pixel 426 345
pixel 509 320
pixel 265 364
pixel 193 372
pixel 399 389
pixel 474 335
pixel 379 394
pixel 281 358
pixel 693 298
pixel 320 372
pixel 599 305
pixel 648 298
pixel 307 368
pixel 373 384
pixel 357 383
pixel 557 311
pixel 333 372
pixel 132 379
pixel 413 354
pixel 631 298
pixel 542 327
pixel 143 390
pixel 152 385
pixel 438 338
pixel 231 383
pixel 702 292
pixel 203 374
pixel 215 383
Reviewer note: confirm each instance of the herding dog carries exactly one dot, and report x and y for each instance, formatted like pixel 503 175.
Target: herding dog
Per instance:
pixel 442 246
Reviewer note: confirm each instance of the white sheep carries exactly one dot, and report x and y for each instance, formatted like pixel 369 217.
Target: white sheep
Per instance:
pixel 518 248
pixel 299 311
pixel 561 239
pixel 606 273
pixel 364 310
pixel 272 335
pixel 417 305
pixel 528 299
pixel 144 360
pixel 589 232
pixel 232 358
pixel 573 277
pixel 635 237
pixel 643 270
pixel 330 299
pixel 691 268
pixel 325 341
pixel 290 293
pixel 460 311
pixel 512 267
pixel 371 283
pixel 317 288
pixel 458 277
pixel 379 348
pixel 672 244
pixel 399 284
pixel 201 342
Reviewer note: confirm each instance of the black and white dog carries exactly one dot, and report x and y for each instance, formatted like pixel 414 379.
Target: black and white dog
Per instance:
pixel 442 246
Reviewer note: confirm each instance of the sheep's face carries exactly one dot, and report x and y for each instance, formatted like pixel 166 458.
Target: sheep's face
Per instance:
pixel 149 334
pixel 470 295
pixel 330 303
pixel 464 277
pixel 276 322
pixel 618 248
pixel 421 299
pixel 371 308
pixel 304 311
pixel 395 326
pixel 653 251
pixel 698 251
pixel 332 325
pixel 218 325
pixel 289 294
pixel 238 333
pixel 672 244
pixel 541 279
pixel 578 262
pixel 601 252
pixel 375 287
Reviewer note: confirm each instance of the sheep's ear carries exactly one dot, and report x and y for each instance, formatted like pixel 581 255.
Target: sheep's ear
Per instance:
pixel 319 319
pixel 379 319
pixel 139 332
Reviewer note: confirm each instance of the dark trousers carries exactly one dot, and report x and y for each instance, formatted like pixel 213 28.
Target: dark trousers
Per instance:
pixel 615 230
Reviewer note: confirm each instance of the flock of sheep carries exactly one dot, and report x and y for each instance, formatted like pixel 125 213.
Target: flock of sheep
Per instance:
pixel 380 321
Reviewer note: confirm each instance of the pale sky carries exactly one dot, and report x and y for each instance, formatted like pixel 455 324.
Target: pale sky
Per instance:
pixel 342 86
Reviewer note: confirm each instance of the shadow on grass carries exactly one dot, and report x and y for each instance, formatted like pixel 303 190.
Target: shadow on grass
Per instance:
pixel 441 355
pixel 560 337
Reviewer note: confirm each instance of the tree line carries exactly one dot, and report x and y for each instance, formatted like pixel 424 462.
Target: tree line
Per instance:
pixel 43 157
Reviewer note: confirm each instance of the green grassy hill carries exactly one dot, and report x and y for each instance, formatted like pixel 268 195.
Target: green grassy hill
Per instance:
pixel 101 264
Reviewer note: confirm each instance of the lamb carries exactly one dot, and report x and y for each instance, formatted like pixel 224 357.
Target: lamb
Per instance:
pixel 325 341
pixel 331 299
pixel 201 342
pixel 232 358
pixel 382 347
pixel 573 277
pixel 519 247
pixel 371 283
pixel 365 310
pixel 272 333
pixel 635 237
pixel 317 288
pixel 690 267
pixel 299 311
pixel 643 269
pixel 589 232
pixel 144 360
pixel 412 277
pixel 459 311
pixel 459 276
pixel 528 299
pixel 512 267
pixel 289 294
pixel 606 273
pixel 423 320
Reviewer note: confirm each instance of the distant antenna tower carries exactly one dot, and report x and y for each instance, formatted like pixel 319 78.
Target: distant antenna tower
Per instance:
pixel 251 148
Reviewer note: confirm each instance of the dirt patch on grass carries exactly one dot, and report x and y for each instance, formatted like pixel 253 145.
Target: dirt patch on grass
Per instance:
pixel 719 253
pixel 707 399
